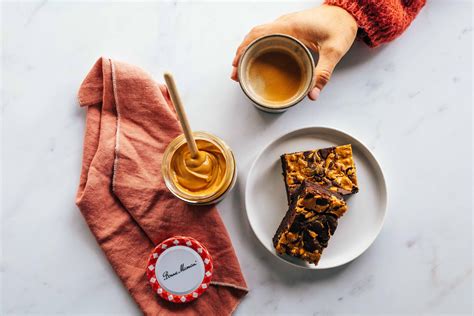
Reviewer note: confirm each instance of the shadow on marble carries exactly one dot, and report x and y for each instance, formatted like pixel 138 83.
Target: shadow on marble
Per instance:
pixel 358 54
pixel 265 119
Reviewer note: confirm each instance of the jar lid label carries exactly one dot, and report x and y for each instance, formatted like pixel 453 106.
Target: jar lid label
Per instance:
pixel 180 269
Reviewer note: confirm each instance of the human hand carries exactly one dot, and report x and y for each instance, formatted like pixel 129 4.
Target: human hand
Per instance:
pixel 327 30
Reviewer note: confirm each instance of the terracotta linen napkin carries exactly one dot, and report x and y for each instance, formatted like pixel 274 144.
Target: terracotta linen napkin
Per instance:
pixel 130 121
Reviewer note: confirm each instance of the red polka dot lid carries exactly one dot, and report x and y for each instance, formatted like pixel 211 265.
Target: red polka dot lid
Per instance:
pixel 179 269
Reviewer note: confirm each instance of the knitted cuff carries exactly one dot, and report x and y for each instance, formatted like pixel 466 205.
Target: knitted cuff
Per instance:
pixel 380 21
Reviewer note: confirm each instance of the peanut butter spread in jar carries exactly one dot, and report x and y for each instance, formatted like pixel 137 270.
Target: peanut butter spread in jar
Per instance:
pixel 202 175
pixel 201 180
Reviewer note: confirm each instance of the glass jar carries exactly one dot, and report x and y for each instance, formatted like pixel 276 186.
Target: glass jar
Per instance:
pixel 227 183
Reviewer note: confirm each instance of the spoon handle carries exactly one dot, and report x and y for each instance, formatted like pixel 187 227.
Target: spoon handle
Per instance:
pixel 183 119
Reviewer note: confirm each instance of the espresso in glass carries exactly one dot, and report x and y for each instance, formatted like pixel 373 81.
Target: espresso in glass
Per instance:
pixel 276 72
pixel 276 76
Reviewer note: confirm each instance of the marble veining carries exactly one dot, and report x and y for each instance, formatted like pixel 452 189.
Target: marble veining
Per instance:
pixel 409 101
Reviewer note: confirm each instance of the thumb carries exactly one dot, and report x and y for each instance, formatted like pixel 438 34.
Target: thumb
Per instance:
pixel 328 59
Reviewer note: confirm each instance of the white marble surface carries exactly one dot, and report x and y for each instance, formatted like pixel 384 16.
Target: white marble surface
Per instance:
pixel 410 101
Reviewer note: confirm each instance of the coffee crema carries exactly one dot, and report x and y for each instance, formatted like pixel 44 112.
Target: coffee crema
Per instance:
pixel 276 76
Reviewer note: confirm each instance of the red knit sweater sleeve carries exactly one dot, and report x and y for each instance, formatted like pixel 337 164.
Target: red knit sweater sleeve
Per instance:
pixel 380 21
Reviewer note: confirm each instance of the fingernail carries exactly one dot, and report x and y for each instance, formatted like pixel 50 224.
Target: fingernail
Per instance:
pixel 314 94
pixel 233 75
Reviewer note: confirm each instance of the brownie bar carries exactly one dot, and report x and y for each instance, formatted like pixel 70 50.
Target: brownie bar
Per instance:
pixel 332 167
pixel 309 222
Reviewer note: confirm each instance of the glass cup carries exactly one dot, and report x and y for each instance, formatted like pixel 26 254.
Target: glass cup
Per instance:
pixel 276 43
pixel 227 182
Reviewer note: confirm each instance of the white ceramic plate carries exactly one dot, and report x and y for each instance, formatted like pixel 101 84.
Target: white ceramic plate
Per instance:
pixel 265 197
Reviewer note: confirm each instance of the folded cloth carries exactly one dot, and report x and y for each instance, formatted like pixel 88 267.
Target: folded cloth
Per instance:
pixel 130 121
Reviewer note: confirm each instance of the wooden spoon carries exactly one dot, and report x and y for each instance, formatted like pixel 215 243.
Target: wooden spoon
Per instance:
pixel 183 119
